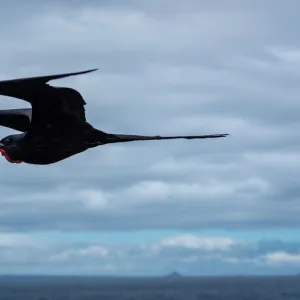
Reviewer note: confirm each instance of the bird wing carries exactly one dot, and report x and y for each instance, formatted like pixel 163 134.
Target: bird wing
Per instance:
pixel 17 119
pixel 51 106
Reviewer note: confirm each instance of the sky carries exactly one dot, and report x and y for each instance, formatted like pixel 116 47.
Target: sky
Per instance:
pixel 199 207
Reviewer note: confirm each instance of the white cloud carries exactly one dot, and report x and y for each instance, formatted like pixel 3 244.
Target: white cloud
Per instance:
pixel 286 54
pixel 281 257
pixel 191 254
pixel 94 251
pixel 196 242
pixel 15 240
pixel 164 68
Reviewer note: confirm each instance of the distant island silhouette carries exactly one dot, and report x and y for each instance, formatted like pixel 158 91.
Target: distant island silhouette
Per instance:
pixel 174 275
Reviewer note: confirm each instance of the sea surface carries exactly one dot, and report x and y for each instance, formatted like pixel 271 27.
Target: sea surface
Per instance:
pixel 180 288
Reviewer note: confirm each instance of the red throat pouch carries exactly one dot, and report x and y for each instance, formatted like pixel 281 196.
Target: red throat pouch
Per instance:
pixel 3 152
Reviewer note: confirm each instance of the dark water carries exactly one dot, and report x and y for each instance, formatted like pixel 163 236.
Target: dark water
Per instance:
pixel 88 288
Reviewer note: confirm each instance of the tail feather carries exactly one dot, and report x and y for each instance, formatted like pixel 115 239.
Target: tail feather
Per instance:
pixel 130 138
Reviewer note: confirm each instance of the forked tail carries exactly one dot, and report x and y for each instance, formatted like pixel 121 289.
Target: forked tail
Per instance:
pixel 119 138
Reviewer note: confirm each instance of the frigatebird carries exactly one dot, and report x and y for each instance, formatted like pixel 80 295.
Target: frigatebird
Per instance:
pixel 55 127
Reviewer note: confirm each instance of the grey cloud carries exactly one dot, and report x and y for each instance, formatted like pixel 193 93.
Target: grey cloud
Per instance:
pixel 162 73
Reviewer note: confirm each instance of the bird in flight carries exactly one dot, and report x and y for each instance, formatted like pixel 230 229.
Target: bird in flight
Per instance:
pixel 55 127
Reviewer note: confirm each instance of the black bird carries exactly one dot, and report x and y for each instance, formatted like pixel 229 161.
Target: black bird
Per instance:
pixel 55 128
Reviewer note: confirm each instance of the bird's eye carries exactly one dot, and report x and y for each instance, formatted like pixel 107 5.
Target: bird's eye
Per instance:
pixel 7 142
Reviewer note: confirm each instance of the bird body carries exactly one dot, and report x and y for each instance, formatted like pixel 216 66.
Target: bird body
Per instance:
pixel 55 128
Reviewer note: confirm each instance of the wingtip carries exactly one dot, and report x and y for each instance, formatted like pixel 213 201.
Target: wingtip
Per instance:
pixel 63 75
pixel 45 78
pixel 222 135
pixel 91 70
pixel 83 72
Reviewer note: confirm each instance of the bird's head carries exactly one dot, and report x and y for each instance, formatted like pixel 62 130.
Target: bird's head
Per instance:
pixel 11 148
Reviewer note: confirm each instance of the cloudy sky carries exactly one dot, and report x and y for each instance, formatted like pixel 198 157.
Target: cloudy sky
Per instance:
pixel 222 206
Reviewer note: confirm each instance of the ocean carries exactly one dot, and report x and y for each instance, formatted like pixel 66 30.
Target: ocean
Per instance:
pixel 181 288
